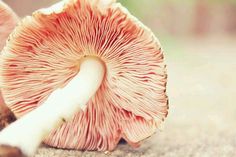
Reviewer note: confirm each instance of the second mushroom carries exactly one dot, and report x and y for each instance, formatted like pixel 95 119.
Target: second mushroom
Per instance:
pixel 88 67
pixel 8 21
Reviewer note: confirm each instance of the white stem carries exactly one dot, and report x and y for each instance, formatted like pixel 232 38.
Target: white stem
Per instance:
pixel 28 132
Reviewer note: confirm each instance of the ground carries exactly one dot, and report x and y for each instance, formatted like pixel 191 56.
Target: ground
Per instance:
pixel 201 89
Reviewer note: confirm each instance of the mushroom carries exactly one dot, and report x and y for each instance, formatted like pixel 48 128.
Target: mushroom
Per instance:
pixel 82 74
pixel 8 21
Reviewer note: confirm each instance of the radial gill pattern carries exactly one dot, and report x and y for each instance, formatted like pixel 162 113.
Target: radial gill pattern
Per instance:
pixel 44 52
pixel 8 20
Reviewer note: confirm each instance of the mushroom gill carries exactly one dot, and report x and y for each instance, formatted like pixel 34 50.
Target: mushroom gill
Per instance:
pixel 43 54
pixel 8 21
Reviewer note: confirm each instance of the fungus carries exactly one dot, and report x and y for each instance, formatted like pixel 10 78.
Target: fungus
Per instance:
pixel 8 21
pixel 88 68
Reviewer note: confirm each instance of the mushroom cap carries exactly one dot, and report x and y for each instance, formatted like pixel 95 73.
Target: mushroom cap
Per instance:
pixel 43 54
pixel 8 21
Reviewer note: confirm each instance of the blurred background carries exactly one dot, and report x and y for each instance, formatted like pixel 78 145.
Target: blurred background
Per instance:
pixel 199 39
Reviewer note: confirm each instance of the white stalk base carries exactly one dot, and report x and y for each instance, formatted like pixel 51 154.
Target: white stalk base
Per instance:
pixel 28 132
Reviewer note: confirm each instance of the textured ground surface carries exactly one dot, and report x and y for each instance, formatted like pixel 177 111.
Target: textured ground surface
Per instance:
pixel 201 122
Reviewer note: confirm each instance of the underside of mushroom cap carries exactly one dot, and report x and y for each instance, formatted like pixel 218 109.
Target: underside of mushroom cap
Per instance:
pixel 8 21
pixel 43 54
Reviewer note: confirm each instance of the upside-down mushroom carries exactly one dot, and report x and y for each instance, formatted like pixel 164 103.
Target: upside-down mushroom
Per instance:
pixel 8 21
pixel 88 68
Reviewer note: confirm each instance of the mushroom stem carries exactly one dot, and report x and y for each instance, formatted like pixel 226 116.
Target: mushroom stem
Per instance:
pixel 28 132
